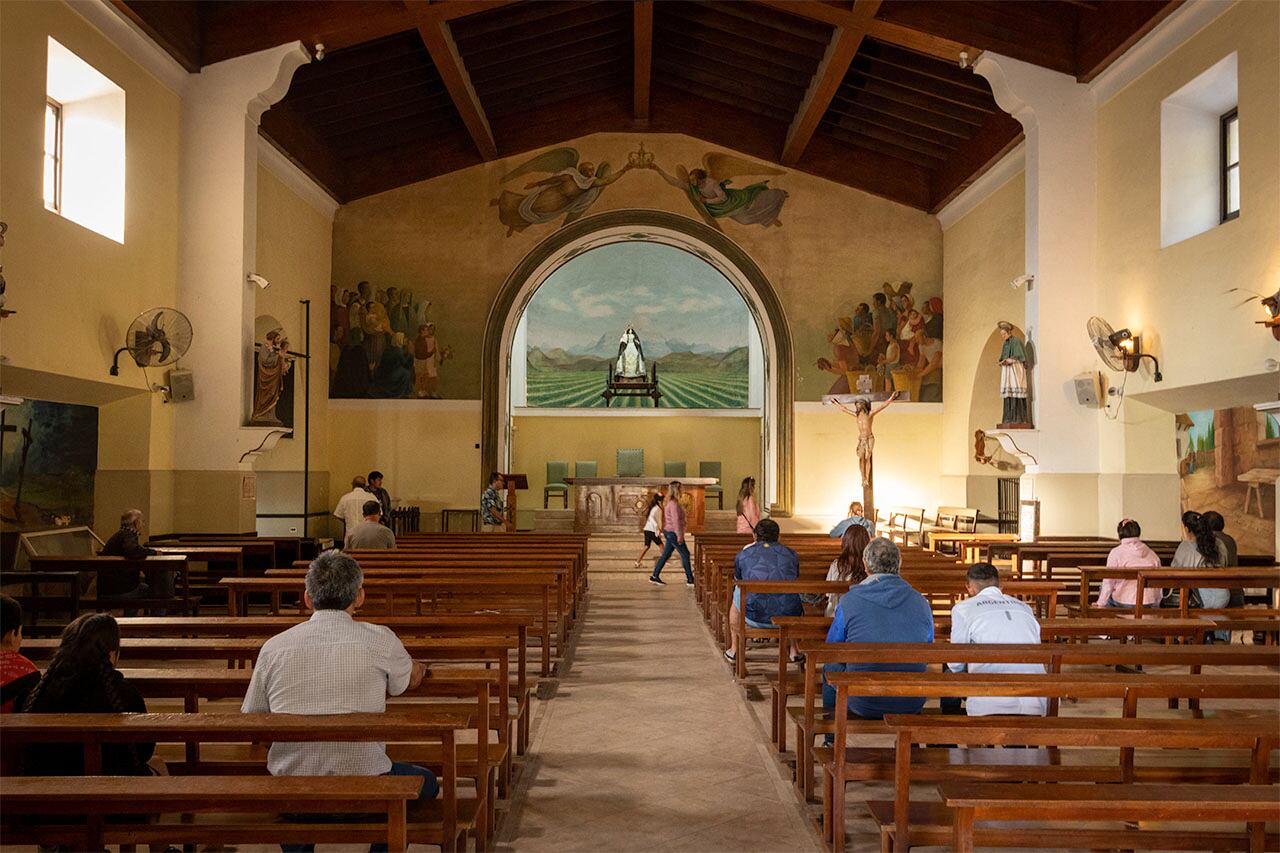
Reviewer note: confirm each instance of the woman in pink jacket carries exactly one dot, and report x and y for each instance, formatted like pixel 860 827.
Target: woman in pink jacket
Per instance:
pixel 1131 552
pixel 672 536
pixel 748 512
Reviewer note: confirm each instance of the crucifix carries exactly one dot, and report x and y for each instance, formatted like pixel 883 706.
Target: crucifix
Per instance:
pixel 865 416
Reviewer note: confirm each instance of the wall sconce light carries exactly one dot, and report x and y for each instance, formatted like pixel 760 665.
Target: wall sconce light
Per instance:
pixel 1130 346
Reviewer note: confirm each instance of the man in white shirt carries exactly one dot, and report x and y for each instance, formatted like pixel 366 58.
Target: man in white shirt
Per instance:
pixel 990 616
pixel 332 664
pixel 351 505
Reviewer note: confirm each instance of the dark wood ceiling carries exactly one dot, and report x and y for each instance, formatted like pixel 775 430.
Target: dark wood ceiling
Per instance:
pixel 868 93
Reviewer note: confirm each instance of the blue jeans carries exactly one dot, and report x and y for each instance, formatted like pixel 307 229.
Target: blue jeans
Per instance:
pixel 671 544
pixel 429 791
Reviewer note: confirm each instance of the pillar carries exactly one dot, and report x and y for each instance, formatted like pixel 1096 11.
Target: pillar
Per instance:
pixel 1059 121
pixel 221 108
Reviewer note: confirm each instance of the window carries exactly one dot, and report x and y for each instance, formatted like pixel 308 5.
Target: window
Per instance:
pixel 1195 180
pixel 53 155
pixel 1230 165
pixel 84 144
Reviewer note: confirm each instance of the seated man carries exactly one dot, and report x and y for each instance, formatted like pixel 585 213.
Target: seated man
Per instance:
pixel 125 543
pixel 855 517
pixel 332 664
pixel 370 533
pixel 764 560
pixel 990 616
pixel 884 608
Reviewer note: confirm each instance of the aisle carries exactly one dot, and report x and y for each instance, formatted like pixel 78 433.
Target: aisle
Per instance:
pixel 648 744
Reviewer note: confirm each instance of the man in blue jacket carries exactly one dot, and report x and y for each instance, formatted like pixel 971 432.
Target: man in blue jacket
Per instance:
pixel 763 560
pixel 884 608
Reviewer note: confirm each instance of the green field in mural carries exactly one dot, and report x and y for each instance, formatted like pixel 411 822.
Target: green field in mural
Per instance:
pixel 582 389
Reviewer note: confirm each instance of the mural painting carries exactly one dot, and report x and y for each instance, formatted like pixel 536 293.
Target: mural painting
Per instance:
pixel 1228 461
pixel 889 342
pixel 573 185
pixel 48 459
pixel 383 343
pixel 605 320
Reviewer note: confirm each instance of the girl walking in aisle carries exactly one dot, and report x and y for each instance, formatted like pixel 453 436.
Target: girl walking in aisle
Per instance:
pixel 673 536
pixel 748 511
pixel 652 526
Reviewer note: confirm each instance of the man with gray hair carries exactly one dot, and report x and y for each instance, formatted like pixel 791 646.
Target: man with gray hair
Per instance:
pixel 332 664
pixel 884 608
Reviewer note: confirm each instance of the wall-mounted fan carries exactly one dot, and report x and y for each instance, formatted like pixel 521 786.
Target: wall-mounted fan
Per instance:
pixel 1119 350
pixel 158 336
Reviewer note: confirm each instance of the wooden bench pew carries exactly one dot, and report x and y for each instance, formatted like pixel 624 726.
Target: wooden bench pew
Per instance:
pixel 259 554
pixel 217 562
pixel 773 587
pixel 550 558
pixel 1185 580
pixel 443 822
pixel 1256 736
pixel 838 761
pixel 288 548
pixel 574 543
pixel 810 721
pixel 508 593
pixel 151 569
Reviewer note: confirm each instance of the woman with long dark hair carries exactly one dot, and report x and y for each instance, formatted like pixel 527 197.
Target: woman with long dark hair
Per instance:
pixel 748 511
pixel 1201 548
pixel 848 567
pixel 82 679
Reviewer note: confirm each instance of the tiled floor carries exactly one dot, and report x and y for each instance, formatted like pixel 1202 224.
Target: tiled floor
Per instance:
pixel 648 744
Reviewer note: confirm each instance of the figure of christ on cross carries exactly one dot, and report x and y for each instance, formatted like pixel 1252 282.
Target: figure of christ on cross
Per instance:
pixel 865 416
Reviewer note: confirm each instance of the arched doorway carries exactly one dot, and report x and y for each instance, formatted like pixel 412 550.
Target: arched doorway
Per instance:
pixel 709 244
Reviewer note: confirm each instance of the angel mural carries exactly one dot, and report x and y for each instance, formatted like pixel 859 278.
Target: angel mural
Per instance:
pixel 572 186
pixel 709 191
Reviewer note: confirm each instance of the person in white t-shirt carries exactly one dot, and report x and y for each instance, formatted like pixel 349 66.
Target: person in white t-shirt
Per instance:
pixel 351 505
pixel 652 526
pixel 990 616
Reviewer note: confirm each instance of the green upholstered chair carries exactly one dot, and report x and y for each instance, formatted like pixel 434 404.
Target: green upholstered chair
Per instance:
pixel 630 462
pixel 712 469
pixel 556 472
pixel 585 469
pixel 674 470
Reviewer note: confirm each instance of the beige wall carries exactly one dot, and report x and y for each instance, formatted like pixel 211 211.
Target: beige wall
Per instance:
pixel 294 254
pixel 734 441
pixel 983 252
pixel 835 247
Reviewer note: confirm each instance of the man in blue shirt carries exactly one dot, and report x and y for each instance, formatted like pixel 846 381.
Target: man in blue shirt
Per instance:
pixel 855 517
pixel 884 608
pixel 763 560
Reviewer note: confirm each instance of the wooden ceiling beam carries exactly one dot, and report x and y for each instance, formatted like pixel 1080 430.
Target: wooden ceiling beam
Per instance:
pixel 444 53
pixel 1109 29
pixel 452 10
pixel 867 100
pixel 948 72
pixel 642 59
pixel 1000 27
pixel 891 121
pixel 913 99
pixel 997 136
pixel 827 79
pixel 928 44
pixel 923 85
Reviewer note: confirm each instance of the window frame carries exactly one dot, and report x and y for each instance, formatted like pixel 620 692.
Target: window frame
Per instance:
pixel 1224 168
pixel 57 108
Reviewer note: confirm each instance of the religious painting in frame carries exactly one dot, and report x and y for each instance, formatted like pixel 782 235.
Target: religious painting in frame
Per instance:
pixel 48 462
pixel 1228 461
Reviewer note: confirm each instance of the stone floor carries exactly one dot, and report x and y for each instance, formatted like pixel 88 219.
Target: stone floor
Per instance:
pixel 648 744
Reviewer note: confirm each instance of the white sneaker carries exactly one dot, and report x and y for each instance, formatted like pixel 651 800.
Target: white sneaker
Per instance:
pixel 689 584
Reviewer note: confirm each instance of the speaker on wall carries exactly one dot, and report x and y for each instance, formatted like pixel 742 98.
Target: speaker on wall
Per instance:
pixel 1089 390
pixel 182 385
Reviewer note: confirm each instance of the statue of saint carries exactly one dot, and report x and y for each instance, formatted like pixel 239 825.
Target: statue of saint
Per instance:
pixel 630 364
pixel 274 362
pixel 1013 379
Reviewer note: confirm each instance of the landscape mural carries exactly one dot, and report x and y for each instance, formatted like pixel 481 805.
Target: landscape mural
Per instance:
pixel 1227 461
pixel 685 318
pixel 48 459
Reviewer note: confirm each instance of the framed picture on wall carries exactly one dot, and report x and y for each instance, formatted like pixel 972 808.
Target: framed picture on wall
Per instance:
pixel 1028 521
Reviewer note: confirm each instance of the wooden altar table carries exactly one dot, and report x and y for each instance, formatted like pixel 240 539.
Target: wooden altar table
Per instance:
pixel 620 504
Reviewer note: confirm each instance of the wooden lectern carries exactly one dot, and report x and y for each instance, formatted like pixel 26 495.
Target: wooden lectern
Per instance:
pixel 513 481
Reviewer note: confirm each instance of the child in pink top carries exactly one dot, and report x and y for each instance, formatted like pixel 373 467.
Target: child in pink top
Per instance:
pixel 1131 552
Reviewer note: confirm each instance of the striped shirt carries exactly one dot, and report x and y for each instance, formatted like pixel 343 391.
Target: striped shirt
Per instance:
pixel 330 664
